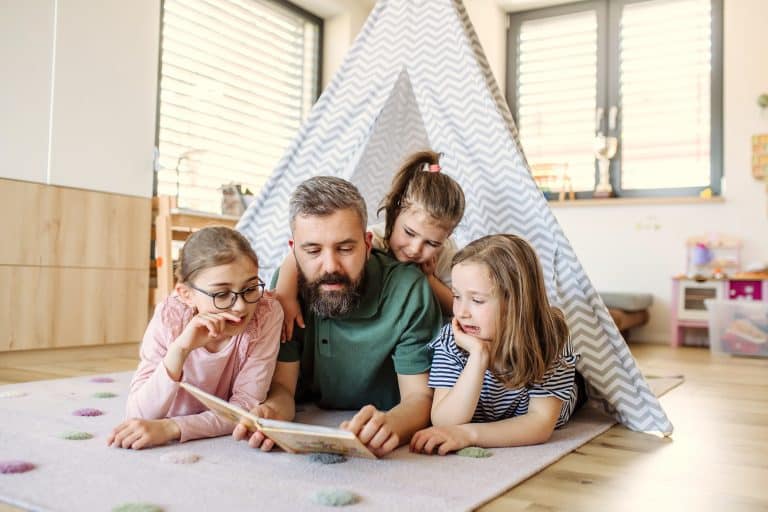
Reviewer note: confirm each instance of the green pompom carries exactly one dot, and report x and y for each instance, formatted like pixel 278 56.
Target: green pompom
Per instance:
pixel 327 458
pixel 104 394
pixel 474 451
pixel 76 436
pixel 334 497
pixel 137 507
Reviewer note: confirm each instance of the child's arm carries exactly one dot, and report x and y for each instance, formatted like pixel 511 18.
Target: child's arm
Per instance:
pixel 155 383
pixel 438 270
pixel 280 404
pixel 287 292
pixel 249 386
pixel 139 433
pixel 443 293
pixel 534 427
pixel 456 405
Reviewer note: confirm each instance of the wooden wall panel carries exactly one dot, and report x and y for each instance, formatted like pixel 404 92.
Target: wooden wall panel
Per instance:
pixel 66 227
pixel 45 307
pixel 74 267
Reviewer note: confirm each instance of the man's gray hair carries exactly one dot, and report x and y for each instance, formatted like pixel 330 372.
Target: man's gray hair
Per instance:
pixel 325 195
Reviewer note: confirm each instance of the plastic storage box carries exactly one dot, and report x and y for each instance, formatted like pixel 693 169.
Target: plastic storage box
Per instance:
pixel 738 327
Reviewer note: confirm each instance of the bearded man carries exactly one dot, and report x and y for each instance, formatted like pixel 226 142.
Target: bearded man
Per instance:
pixel 368 320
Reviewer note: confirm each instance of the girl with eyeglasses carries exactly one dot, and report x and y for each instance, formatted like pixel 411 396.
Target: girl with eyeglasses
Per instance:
pixel 218 331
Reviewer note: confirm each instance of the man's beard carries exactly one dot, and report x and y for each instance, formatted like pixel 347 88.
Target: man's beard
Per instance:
pixel 331 303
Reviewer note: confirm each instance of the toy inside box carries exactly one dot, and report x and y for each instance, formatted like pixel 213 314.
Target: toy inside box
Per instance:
pixel 738 327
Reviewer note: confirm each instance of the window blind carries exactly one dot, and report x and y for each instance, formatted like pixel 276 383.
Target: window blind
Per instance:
pixel 556 98
pixel 664 82
pixel 237 78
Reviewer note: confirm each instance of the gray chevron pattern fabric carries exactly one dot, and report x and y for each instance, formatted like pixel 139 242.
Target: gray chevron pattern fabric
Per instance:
pixel 417 77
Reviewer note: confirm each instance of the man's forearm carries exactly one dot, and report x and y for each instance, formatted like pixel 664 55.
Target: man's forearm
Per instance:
pixel 281 401
pixel 410 415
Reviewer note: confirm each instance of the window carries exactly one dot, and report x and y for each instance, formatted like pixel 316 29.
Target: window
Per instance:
pixel 237 78
pixel 632 88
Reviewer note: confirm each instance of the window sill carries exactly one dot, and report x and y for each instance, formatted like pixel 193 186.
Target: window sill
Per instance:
pixel 631 201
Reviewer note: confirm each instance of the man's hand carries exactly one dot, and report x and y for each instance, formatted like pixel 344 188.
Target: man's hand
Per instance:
pixel 140 433
pixel 442 439
pixel 371 427
pixel 257 439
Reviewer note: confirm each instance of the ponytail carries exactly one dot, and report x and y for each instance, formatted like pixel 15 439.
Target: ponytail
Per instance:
pixel 439 194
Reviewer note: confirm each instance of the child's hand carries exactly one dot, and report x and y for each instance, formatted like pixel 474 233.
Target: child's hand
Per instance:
pixel 256 439
pixel 442 439
pixel 205 327
pixel 140 433
pixel 429 266
pixel 291 314
pixel 468 342
pixel 370 426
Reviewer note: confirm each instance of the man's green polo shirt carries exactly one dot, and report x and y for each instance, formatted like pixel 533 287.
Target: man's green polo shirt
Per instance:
pixel 353 360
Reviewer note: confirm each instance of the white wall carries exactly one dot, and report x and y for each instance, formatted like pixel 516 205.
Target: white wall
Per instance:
pixel 637 248
pixel 26 57
pixel 341 29
pixel 78 93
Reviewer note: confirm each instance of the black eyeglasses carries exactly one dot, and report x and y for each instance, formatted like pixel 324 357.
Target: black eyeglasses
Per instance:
pixel 225 300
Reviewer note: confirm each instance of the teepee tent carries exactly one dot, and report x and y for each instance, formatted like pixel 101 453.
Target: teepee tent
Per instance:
pixel 416 77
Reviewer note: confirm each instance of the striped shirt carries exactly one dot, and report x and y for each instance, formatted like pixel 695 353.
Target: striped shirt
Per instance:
pixel 497 402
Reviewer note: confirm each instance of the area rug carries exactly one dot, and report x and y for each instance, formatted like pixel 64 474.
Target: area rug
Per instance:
pixel 85 474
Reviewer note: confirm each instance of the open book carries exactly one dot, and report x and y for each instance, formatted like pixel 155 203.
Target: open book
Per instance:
pixel 291 437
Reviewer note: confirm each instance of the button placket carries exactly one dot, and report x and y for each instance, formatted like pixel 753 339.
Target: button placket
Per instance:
pixel 324 338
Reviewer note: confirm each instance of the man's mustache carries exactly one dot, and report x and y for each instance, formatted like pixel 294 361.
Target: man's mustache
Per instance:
pixel 334 278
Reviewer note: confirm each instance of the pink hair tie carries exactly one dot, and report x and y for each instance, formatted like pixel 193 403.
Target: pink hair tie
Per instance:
pixel 434 168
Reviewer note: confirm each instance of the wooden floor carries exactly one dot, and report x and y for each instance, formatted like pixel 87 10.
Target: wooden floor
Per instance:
pixel 717 459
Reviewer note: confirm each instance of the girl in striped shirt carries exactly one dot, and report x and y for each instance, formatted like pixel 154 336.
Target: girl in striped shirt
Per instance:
pixel 503 369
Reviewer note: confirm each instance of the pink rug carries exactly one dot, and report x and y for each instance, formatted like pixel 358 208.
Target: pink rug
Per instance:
pixel 87 475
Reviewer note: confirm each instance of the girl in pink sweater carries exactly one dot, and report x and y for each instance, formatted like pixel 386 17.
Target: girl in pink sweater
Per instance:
pixel 209 334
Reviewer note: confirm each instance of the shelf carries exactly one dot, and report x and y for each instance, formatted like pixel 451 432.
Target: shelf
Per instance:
pixel 172 224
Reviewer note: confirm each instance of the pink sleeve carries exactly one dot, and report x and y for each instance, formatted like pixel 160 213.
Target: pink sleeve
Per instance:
pixel 152 391
pixel 251 383
pixel 202 425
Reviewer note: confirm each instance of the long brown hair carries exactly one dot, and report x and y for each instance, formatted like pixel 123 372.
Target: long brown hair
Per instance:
pixel 436 192
pixel 210 247
pixel 530 334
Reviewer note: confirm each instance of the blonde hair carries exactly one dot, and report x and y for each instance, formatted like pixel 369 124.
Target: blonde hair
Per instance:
pixel 210 247
pixel 436 192
pixel 530 334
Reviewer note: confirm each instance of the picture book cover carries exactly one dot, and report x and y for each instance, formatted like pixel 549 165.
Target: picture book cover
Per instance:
pixel 291 437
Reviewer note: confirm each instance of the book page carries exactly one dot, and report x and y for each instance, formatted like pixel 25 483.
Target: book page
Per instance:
pixel 291 437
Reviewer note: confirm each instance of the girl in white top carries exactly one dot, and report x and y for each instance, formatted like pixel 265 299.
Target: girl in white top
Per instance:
pixel 422 208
